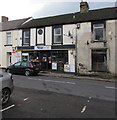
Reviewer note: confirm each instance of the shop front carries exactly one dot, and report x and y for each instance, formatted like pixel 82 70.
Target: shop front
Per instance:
pixel 50 59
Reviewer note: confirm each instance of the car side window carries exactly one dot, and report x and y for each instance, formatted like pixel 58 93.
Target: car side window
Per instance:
pixel 24 64
pixel 17 64
pixel 28 64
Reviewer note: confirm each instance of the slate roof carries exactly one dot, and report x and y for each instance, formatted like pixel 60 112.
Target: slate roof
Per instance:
pixel 91 15
pixel 11 25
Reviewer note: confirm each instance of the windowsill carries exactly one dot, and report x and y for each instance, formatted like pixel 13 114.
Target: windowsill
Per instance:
pixel 94 41
pixel 8 45
pixel 39 44
pixel 25 45
pixel 57 44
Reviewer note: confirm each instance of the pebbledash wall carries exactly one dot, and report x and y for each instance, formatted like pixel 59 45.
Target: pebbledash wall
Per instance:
pixel 86 45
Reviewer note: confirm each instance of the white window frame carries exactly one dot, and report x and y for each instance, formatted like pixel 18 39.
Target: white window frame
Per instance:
pixel 26 37
pixel 8 38
pixel 57 35
pixel 101 26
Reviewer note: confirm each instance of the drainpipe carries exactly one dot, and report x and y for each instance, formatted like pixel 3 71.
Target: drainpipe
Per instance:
pixel 76 51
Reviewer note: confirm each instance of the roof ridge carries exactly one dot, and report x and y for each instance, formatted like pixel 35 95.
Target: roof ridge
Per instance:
pixel 73 13
pixel 19 19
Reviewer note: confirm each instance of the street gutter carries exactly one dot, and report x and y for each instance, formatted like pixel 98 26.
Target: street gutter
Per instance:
pixel 77 77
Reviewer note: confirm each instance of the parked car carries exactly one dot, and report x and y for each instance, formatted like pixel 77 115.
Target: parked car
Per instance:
pixel 6 86
pixel 24 67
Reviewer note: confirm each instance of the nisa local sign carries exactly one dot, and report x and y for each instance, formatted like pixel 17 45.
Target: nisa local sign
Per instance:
pixel 42 47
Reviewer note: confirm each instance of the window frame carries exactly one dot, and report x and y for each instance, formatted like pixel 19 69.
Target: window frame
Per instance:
pixel 55 35
pixel 101 54
pixel 8 34
pixel 23 37
pixel 93 28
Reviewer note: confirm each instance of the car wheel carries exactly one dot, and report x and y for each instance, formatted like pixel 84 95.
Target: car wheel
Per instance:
pixel 27 73
pixel 5 95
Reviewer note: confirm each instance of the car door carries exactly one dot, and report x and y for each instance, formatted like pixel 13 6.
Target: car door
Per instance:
pixel 16 68
pixel 23 66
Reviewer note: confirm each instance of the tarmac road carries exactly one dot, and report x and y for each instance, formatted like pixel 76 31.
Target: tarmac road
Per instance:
pixel 49 97
pixel 86 88
pixel 31 103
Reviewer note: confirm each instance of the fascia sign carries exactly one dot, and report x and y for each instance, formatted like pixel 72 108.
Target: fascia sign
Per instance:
pixel 42 47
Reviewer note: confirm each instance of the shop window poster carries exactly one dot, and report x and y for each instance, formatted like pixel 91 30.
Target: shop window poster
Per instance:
pixel 72 68
pixel 54 66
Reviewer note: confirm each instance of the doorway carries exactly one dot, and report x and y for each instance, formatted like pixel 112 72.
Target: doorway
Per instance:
pixel 9 60
pixel 99 60
pixel 45 60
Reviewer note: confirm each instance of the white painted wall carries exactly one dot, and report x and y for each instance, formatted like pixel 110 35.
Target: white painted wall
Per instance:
pixel 40 37
pixel 84 51
pixel 116 47
pixel 15 36
pixel 0 48
pixel 33 36
pixel 48 36
pixel 84 35
pixel 111 44
pixel 66 39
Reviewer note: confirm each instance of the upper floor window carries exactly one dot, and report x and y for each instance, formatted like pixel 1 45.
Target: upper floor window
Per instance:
pixel 98 30
pixel 57 35
pixel 8 38
pixel 26 37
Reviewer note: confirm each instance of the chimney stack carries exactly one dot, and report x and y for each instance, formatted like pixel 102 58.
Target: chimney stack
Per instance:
pixel 4 19
pixel 84 7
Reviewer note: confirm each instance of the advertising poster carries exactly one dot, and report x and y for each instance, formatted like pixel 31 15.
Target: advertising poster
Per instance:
pixel 72 68
pixel 66 68
pixel 54 66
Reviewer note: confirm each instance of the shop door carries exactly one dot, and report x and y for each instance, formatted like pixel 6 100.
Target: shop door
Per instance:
pixel 45 60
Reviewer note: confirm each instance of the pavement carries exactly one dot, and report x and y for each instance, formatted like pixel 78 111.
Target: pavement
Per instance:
pixel 99 77
pixel 81 77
